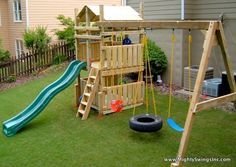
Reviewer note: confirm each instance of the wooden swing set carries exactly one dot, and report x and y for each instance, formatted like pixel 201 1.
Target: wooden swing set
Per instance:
pixel 109 65
pixel 214 35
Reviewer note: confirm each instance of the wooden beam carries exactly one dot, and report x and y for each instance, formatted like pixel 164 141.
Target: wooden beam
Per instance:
pixel 155 24
pixel 227 63
pixel 121 71
pixel 122 32
pixel 86 28
pixel 95 37
pixel 196 93
pixel 215 102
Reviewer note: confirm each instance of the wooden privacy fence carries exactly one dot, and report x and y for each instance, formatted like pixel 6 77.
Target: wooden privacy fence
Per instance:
pixel 28 63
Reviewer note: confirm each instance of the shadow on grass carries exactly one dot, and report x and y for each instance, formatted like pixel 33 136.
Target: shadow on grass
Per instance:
pixel 35 124
pixel 144 136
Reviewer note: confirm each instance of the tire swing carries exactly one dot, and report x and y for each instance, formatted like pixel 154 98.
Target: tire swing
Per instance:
pixel 145 122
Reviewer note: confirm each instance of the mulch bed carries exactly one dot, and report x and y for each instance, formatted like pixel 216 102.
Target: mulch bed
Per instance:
pixel 37 75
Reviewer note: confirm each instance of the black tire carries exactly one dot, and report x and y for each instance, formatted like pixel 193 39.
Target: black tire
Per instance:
pixel 145 123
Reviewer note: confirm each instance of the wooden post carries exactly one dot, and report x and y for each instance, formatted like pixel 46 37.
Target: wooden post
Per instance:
pixel 76 39
pixel 88 47
pixel 101 100
pixel 222 42
pixel 77 86
pixel 197 90
pixel 101 18
pixel 141 10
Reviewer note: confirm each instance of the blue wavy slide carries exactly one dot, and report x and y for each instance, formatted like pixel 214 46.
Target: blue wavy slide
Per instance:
pixel 13 125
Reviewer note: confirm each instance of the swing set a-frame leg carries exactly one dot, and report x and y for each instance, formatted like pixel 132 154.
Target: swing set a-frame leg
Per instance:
pixel 215 28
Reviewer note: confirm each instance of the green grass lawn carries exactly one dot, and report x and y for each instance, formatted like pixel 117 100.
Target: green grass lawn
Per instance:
pixel 57 138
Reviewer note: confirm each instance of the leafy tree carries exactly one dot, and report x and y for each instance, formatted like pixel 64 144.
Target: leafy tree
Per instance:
pixel 36 40
pixel 68 32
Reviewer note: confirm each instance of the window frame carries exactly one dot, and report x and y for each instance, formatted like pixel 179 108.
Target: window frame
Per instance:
pixel 19 47
pixel 17 11
pixel 0 18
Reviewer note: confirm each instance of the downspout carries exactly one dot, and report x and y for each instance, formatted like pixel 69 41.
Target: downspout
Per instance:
pixel 123 2
pixel 182 9
pixel 27 13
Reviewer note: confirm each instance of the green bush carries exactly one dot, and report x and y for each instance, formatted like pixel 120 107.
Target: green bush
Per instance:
pixel 37 39
pixel 59 58
pixel 4 55
pixel 68 32
pixel 11 78
pixel 157 57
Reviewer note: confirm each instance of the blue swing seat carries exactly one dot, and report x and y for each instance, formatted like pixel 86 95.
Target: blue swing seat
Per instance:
pixel 174 125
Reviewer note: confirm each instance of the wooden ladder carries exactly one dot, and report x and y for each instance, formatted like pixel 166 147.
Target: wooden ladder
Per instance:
pixel 89 94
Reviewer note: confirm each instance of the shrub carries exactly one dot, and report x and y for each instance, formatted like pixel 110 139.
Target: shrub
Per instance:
pixel 36 40
pixel 59 58
pixel 68 32
pixel 4 54
pixel 11 78
pixel 157 57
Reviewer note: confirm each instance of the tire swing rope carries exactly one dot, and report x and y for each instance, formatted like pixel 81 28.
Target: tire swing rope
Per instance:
pixel 145 122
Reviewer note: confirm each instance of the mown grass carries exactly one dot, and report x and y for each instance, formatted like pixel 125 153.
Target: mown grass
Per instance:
pixel 57 138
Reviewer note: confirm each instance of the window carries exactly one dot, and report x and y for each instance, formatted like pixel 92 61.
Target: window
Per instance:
pixel 17 10
pixel 19 48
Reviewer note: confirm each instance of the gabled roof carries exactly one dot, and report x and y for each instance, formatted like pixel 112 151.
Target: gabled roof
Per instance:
pixel 110 13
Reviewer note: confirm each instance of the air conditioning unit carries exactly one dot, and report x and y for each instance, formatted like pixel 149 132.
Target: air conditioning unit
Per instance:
pixel 225 83
pixel 194 71
pixel 212 87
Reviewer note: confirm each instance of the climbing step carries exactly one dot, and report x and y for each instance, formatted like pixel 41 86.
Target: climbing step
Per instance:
pixel 93 77
pixel 89 85
pixel 81 111
pixel 84 103
pixel 89 94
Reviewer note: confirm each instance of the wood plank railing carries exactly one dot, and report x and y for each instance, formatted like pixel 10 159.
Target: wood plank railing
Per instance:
pixel 122 56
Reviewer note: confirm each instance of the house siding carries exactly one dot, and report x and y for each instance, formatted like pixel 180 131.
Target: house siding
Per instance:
pixel 16 29
pixel 44 12
pixel 200 9
pixel 158 9
pixel 210 9
pixel 165 10
pixel 4 24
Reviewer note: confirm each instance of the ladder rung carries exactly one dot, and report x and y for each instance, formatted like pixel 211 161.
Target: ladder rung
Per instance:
pixel 84 103
pixel 81 112
pixel 93 77
pixel 87 94
pixel 90 85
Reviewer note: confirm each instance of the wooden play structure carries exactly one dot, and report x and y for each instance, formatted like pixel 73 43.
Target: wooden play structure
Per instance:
pixel 107 58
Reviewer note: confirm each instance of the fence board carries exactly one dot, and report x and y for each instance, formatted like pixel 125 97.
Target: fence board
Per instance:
pixel 27 63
